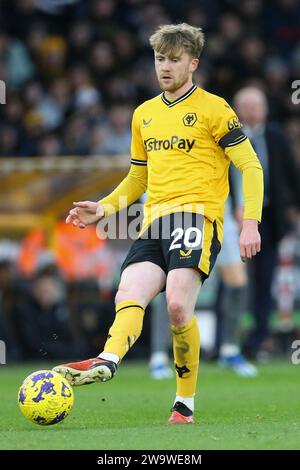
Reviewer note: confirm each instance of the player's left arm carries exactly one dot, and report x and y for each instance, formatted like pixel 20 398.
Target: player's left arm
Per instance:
pixel 227 131
pixel 245 159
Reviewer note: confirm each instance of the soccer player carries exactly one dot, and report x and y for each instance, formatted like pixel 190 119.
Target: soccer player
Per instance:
pixel 182 143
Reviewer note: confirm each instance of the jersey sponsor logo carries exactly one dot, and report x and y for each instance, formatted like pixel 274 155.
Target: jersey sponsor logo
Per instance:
pixel 189 119
pixel 153 145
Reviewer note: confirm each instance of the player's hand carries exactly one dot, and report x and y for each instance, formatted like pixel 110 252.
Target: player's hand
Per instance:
pixel 249 239
pixel 85 213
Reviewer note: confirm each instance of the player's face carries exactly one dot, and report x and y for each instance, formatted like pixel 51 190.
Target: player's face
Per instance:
pixel 173 72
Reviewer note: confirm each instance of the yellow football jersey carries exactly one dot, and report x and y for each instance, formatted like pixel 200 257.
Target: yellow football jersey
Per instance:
pixel 179 143
pixel 184 148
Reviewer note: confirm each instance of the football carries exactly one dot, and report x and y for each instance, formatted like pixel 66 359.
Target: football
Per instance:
pixel 45 397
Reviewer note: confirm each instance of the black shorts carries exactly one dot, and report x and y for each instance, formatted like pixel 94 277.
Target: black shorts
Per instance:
pixel 178 240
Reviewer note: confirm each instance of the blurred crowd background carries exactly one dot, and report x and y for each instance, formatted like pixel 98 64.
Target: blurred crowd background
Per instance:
pixel 74 71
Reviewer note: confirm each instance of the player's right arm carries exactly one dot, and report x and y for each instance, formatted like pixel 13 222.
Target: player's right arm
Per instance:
pixel 129 190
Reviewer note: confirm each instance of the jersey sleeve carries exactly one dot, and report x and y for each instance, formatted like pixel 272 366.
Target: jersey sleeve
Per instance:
pixel 138 152
pixel 225 126
pixel 129 190
pixel 226 130
pixel 246 160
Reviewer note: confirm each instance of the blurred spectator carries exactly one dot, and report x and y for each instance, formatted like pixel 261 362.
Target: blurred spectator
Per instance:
pixel 80 38
pixel 33 94
pixel 230 29
pixel 282 25
pixel 48 146
pixel 34 129
pixel 18 67
pixel 78 255
pixel 43 320
pixel 251 57
pixel 91 314
pixel 252 14
pixel 35 38
pixel 282 189
pixel 8 141
pixel 85 97
pixel 14 111
pixel 102 61
pixel 233 296
pixel 104 15
pixel 117 136
pixel 76 136
pixel 55 104
pixel 82 255
pixel 51 57
pixel 160 339
pixel 97 140
pixel 8 297
pixel 126 48
pixel 120 89
pixel 293 129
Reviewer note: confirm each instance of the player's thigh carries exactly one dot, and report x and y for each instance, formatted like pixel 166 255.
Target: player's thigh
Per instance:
pixel 141 282
pixel 233 274
pixel 182 290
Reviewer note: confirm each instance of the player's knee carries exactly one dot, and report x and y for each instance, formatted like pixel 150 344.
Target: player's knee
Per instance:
pixel 177 312
pixel 123 295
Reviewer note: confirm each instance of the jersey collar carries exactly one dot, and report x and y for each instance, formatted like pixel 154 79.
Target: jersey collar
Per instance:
pixel 178 100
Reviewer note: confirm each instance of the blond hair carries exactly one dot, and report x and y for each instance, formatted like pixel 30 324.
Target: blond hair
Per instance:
pixel 171 39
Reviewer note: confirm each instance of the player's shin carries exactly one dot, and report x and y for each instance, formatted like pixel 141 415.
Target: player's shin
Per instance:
pixel 186 348
pixel 125 330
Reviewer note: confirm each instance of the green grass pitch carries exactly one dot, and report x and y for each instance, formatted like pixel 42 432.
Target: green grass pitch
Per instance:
pixel 131 412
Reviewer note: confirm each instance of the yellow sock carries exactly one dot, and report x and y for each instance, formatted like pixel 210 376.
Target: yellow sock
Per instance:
pixel 126 328
pixel 186 348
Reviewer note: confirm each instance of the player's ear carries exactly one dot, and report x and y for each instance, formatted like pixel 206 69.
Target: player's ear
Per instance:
pixel 194 65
